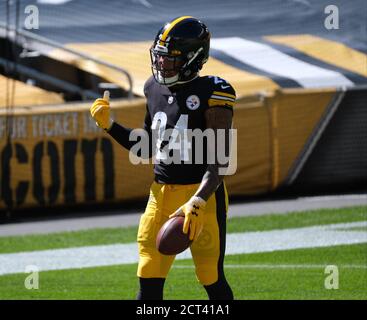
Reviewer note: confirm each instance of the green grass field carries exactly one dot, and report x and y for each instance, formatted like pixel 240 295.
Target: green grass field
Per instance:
pixel 287 274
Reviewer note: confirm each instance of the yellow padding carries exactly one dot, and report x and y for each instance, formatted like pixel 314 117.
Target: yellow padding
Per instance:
pixel 328 51
pixel 293 119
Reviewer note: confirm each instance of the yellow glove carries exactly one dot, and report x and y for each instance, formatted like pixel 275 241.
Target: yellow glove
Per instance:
pixel 100 111
pixel 193 211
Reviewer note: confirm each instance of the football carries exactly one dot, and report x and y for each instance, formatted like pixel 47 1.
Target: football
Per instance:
pixel 170 239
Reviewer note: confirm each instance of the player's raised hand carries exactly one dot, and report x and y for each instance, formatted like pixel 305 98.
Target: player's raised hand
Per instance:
pixel 193 211
pixel 100 111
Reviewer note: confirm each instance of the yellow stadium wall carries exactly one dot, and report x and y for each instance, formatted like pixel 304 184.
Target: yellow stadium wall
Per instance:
pixel 271 134
pixel 58 156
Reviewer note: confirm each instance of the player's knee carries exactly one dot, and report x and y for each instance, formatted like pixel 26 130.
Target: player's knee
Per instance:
pixel 150 268
pixel 154 265
pixel 145 268
pixel 207 274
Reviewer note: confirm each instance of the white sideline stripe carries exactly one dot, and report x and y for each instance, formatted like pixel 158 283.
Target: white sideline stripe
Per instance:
pixel 264 57
pixel 280 266
pixel 237 243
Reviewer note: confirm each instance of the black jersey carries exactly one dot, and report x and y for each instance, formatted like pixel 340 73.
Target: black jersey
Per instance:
pixel 183 107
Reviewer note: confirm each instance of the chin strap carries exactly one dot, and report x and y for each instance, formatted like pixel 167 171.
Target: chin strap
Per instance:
pixel 167 81
pixel 178 82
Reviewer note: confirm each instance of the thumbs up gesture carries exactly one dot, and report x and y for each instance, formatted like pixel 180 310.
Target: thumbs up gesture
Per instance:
pixel 100 111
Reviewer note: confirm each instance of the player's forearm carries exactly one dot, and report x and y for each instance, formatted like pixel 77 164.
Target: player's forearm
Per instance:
pixel 216 118
pixel 121 135
pixel 210 182
pixel 129 137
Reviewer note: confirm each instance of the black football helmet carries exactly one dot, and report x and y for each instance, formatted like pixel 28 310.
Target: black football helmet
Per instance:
pixel 185 43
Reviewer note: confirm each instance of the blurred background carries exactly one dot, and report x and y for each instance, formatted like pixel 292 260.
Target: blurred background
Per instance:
pixel 299 69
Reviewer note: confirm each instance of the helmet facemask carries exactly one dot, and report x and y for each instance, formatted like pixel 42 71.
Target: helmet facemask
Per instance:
pixel 177 67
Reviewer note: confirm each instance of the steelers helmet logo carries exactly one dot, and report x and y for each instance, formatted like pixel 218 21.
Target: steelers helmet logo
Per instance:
pixel 193 102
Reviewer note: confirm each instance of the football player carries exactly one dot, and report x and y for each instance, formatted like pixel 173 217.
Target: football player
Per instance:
pixel 178 97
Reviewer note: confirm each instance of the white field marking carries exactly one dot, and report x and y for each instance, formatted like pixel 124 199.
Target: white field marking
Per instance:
pixel 266 58
pixel 280 266
pixel 237 243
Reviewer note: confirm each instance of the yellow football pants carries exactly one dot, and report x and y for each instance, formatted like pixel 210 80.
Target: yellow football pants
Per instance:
pixel 207 251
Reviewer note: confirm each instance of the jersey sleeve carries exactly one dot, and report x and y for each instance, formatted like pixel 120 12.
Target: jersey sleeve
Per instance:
pixel 222 94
